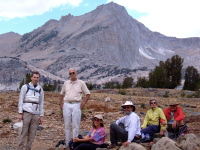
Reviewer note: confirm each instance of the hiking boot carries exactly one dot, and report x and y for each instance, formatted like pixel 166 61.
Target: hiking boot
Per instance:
pixel 114 146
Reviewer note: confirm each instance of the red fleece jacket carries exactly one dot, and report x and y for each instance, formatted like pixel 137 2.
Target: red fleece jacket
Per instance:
pixel 178 114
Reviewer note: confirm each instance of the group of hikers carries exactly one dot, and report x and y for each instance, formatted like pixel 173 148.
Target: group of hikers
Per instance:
pixel 125 130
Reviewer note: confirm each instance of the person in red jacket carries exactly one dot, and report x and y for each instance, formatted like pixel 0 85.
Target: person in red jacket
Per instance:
pixel 174 115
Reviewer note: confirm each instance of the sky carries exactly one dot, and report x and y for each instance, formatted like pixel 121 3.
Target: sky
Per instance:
pixel 175 18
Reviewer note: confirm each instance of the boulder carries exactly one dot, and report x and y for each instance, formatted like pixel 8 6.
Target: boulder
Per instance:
pixel 132 146
pixel 165 143
pixel 191 142
pixel 107 99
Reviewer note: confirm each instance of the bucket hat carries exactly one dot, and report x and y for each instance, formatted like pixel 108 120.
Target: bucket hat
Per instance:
pixel 128 103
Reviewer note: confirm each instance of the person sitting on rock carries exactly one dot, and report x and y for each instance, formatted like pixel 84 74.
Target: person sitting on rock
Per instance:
pixel 174 115
pixel 95 138
pixel 151 123
pixel 126 128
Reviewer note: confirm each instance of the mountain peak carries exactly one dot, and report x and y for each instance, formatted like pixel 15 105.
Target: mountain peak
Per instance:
pixel 66 18
pixel 111 7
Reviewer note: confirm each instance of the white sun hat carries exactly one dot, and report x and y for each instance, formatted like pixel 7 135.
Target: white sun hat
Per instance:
pixel 128 103
pixel 18 127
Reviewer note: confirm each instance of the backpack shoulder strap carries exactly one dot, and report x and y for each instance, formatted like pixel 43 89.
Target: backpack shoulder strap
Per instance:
pixel 28 87
pixel 39 90
pixel 178 132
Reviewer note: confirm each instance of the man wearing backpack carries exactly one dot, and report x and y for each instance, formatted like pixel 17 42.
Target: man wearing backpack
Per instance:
pixel 174 115
pixel 30 109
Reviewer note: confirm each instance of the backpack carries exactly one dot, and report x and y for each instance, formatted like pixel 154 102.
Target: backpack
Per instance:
pixel 30 88
pixel 177 132
pixel 145 139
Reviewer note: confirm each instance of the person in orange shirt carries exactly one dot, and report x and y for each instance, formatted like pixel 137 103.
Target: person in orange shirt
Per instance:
pixel 174 115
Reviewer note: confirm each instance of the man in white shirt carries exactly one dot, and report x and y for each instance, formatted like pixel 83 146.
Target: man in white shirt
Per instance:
pixel 71 103
pixel 31 110
pixel 126 128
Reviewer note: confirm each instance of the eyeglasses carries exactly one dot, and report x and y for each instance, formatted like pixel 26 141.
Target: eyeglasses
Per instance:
pixel 172 105
pixel 95 119
pixel 153 103
pixel 72 73
pixel 126 107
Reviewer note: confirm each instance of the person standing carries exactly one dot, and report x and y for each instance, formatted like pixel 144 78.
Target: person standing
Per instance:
pixel 71 103
pixel 31 111
pixel 151 123
pixel 126 128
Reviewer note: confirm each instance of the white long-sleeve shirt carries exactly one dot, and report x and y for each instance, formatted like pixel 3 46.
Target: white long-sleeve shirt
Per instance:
pixel 131 124
pixel 31 101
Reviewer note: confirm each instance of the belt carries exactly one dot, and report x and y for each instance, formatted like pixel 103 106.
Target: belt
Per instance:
pixel 72 102
pixel 32 102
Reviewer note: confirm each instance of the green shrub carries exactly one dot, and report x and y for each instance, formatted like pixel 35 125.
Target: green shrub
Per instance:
pixel 7 120
pixel 183 94
pixel 143 106
pixel 166 95
pixel 122 92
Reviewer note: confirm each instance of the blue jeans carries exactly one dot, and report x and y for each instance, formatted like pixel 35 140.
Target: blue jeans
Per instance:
pixel 151 129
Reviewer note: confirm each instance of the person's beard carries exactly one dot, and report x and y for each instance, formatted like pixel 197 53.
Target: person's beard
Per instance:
pixel 128 113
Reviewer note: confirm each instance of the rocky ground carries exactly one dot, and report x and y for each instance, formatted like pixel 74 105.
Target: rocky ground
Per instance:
pixel 53 122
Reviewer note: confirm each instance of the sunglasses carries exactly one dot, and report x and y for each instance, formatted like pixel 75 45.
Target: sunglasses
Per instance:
pixel 126 107
pixel 72 73
pixel 153 103
pixel 96 119
pixel 172 105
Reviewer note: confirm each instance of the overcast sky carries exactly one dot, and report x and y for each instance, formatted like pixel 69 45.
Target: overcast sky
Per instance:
pixel 178 18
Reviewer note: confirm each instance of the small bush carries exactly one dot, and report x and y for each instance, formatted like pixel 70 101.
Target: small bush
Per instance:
pixel 122 92
pixel 143 106
pixel 182 94
pixel 166 95
pixel 190 96
pixel 194 95
pixel 7 120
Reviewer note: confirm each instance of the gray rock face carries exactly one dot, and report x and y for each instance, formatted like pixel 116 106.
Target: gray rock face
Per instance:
pixel 103 45
pixel 165 144
pixel 191 142
pixel 12 70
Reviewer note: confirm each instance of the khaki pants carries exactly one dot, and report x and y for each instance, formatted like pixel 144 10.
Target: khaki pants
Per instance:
pixel 30 124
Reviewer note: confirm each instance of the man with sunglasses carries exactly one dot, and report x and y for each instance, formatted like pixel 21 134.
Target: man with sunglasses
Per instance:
pixel 126 128
pixel 174 115
pixel 151 123
pixel 71 103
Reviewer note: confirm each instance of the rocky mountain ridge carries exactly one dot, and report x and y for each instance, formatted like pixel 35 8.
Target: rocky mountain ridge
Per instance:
pixel 104 44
